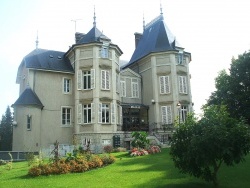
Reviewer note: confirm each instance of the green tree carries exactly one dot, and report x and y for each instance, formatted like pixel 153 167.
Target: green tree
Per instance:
pixel 6 131
pixel 233 89
pixel 199 148
pixel 140 139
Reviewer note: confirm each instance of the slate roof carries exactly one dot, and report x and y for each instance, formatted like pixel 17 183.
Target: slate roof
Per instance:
pixel 94 35
pixel 155 38
pixel 28 97
pixel 47 60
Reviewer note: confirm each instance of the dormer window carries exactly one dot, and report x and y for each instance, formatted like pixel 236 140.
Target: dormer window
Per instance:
pixel 104 53
pixel 180 58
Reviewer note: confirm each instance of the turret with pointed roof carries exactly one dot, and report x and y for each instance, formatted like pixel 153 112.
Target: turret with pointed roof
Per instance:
pixel 156 37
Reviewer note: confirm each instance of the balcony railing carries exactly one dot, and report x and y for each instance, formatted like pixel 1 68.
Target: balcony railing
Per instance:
pixel 135 127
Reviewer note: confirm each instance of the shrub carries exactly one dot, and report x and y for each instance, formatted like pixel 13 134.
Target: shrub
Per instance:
pixel 154 149
pixel 108 148
pixel 107 159
pixel 138 152
pixel 78 164
pixel 35 171
pixel 120 149
pixel 140 139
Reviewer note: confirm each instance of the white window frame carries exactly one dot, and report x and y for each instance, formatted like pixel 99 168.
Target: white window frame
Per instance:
pixel 134 88
pixel 104 113
pixel 67 85
pixel 183 113
pixel 183 85
pixel 164 84
pixel 87 108
pixel 105 79
pixel 166 113
pixel 86 76
pixel 68 120
pixel 106 142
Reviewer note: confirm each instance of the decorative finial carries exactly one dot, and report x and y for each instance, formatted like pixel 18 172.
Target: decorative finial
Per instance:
pixel 161 8
pixel 94 23
pixel 37 40
pixel 143 22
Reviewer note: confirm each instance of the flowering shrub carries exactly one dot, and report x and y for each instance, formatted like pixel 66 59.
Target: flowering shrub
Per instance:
pixel 78 164
pixel 154 149
pixel 139 152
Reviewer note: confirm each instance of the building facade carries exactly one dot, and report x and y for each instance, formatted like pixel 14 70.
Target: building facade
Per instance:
pixel 83 95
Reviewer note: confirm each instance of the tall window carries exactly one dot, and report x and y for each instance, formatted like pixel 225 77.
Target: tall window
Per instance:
pixel 28 122
pixel 105 80
pixel 86 80
pixel 135 88
pixel 87 113
pixel 183 84
pixel 164 84
pixel 166 114
pixel 123 89
pixel 103 113
pixel 183 113
pixel 66 116
pixel 66 85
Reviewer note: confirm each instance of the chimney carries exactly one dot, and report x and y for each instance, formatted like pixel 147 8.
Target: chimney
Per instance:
pixel 137 38
pixel 78 36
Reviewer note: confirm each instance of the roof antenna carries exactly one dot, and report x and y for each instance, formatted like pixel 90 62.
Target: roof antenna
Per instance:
pixel 37 40
pixel 161 8
pixel 143 22
pixel 94 23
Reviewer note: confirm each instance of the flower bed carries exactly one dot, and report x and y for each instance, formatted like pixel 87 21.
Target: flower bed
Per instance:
pixel 139 152
pixel 74 165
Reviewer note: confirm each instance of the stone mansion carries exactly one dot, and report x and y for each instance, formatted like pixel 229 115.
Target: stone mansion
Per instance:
pixel 85 94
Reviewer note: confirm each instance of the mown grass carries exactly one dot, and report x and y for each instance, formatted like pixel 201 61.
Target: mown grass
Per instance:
pixel 141 172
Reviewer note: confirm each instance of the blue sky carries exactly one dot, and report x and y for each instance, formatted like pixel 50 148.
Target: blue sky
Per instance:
pixel 213 31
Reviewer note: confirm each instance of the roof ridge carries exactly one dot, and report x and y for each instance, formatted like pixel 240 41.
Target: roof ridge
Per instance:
pixel 160 17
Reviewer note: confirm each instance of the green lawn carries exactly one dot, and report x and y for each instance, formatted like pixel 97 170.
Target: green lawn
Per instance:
pixel 142 172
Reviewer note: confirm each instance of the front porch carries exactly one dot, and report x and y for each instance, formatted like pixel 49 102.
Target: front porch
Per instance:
pixel 135 117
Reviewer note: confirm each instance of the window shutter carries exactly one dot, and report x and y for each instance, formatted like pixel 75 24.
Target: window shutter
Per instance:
pixel 79 114
pixel 92 71
pixel 184 84
pixel 117 83
pixel 120 114
pixel 162 85
pixel 137 90
pixel 79 79
pixel 92 112
pixel 169 115
pixel 164 114
pixel 107 80
pixel 123 89
pixel 112 113
pixel 167 84
pixel 102 79
pixel 100 113
pixel 180 84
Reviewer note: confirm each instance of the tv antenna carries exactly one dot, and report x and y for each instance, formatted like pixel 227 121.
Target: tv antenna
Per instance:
pixel 75 20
